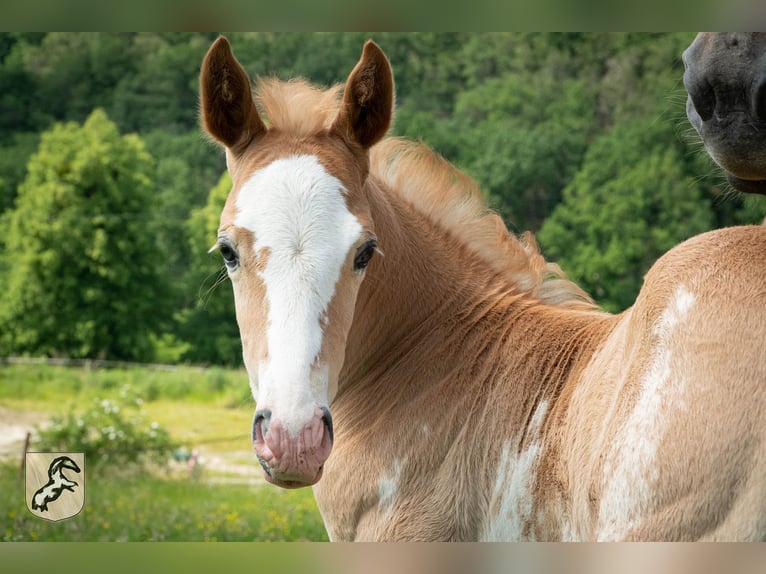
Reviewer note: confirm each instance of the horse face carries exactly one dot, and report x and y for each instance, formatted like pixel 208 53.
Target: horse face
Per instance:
pixel 296 238
pixel 725 78
pixel 293 249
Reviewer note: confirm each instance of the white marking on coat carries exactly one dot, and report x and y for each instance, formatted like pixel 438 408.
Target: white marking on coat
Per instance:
pixel 388 487
pixel 630 470
pixel 297 212
pixel 512 492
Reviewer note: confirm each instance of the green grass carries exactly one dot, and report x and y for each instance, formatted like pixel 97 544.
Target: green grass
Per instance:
pixel 209 410
pixel 154 508
pixel 48 383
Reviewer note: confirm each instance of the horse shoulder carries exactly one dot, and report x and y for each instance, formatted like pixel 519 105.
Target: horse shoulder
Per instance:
pixel 677 385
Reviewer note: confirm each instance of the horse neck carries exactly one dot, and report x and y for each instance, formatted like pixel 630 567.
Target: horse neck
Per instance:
pixel 444 358
pixel 407 284
pixel 429 287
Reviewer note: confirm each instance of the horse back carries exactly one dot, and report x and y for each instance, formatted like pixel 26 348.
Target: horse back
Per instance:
pixel 663 434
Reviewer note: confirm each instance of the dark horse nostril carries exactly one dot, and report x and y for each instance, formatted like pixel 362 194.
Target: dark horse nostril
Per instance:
pixel 327 418
pixel 759 98
pixel 701 94
pixel 261 418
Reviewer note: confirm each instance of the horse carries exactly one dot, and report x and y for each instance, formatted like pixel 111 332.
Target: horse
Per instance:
pixel 725 78
pixel 434 378
pixel 57 483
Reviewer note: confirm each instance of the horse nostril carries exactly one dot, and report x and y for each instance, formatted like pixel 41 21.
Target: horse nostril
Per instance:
pixel 261 420
pixel 758 101
pixel 327 419
pixel 701 94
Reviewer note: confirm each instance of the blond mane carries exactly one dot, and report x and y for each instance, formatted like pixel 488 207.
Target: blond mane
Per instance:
pixel 297 107
pixel 433 186
pixel 453 200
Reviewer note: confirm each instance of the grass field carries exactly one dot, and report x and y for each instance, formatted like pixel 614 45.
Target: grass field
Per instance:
pixel 209 410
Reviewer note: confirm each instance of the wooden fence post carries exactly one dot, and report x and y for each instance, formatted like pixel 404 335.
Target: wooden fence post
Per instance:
pixel 23 466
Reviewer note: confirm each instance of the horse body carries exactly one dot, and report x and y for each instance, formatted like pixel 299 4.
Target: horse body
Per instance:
pixel 493 417
pixel 431 395
pixel 662 438
pixel 434 378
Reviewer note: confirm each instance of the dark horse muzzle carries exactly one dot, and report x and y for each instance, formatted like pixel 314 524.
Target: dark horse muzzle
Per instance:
pixel 725 78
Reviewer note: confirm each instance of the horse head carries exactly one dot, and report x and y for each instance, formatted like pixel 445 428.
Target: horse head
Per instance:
pixel 296 237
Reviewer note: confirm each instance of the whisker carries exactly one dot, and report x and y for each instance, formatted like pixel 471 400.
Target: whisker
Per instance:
pixel 221 278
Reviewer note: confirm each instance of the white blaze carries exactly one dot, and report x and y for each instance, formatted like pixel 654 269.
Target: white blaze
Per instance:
pixel 298 215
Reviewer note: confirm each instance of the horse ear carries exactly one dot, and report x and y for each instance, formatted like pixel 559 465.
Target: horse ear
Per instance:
pixel 368 99
pixel 229 114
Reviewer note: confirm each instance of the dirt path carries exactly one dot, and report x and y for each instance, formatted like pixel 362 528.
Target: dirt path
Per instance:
pixel 14 426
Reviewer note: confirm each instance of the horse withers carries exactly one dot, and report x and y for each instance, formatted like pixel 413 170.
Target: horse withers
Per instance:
pixel 725 79
pixel 434 378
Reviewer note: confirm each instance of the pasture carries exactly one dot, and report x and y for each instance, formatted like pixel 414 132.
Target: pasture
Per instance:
pixel 205 409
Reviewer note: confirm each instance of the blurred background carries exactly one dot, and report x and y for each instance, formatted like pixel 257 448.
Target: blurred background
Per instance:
pixel 117 330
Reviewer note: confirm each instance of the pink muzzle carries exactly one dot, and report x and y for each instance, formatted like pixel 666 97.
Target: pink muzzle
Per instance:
pixel 292 461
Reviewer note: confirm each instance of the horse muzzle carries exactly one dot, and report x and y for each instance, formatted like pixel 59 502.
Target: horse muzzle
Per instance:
pixel 292 460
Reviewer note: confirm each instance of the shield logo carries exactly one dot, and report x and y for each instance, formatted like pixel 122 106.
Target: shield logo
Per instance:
pixel 55 484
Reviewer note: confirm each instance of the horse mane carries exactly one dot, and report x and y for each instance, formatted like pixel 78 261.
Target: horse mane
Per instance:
pixel 297 107
pixel 433 186
pixel 453 200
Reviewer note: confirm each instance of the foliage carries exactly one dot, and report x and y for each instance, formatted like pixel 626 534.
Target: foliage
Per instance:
pixel 210 326
pixel 14 154
pixel 80 272
pixel 528 115
pixel 185 171
pixel 110 432
pixel 628 204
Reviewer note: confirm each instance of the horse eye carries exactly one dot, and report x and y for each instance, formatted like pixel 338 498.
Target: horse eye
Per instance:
pixel 229 255
pixel 364 254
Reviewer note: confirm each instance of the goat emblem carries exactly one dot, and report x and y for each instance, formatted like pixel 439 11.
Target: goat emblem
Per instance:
pixel 52 500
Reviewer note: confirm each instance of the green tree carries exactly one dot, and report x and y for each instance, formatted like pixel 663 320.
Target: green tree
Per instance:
pixel 210 325
pixel 528 133
pixel 80 271
pixel 186 169
pixel 629 203
pixel 17 84
pixel 14 156
pixel 159 89
pixel 75 72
